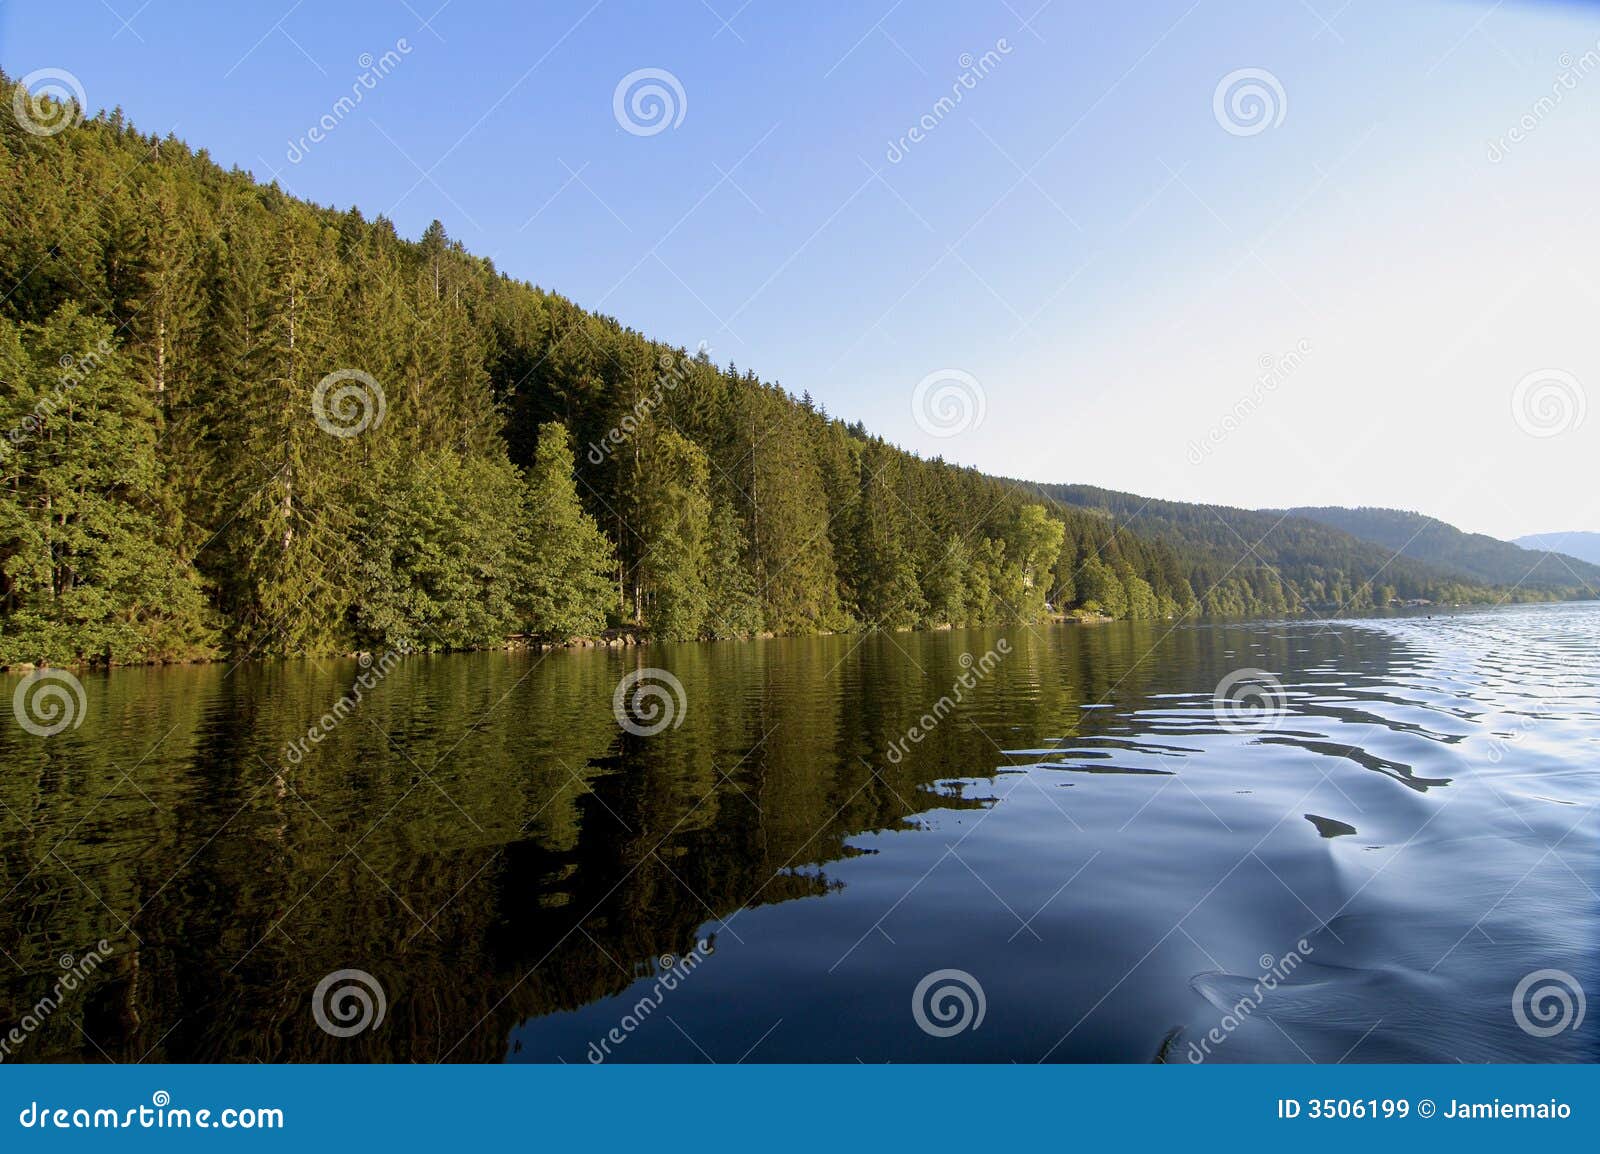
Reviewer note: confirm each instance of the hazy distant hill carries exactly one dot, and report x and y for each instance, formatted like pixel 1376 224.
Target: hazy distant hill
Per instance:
pixel 1585 546
pixel 1321 563
pixel 1334 556
pixel 1473 555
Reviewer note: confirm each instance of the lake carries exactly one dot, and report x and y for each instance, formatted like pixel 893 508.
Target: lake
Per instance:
pixel 1062 843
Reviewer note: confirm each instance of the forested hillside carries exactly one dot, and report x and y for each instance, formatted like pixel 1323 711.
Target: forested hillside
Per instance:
pixel 238 423
pixel 1266 561
pixel 1474 555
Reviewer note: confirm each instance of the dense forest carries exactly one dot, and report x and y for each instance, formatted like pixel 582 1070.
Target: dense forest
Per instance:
pixel 238 423
pixel 1267 561
pixel 1485 558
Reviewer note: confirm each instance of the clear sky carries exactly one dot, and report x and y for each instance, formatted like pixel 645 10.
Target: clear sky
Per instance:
pixel 1094 241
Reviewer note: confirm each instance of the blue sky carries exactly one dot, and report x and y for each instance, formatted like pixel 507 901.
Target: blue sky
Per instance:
pixel 1082 237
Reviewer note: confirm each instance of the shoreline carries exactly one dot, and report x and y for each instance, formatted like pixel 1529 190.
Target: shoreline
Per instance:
pixel 627 638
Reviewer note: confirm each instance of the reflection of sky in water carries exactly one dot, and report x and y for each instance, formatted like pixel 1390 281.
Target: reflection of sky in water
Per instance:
pixel 1414 813
pixel 1080 835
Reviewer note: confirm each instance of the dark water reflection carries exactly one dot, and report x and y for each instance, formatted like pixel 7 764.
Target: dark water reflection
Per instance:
pixel 1080 834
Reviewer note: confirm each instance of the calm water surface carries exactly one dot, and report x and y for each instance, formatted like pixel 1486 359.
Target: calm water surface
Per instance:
pixel 1080 834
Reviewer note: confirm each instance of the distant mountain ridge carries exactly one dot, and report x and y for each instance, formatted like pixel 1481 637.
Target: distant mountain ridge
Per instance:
pixel 1472 555
pixel 1580 544
pixel 1332 558
pixel 1272 560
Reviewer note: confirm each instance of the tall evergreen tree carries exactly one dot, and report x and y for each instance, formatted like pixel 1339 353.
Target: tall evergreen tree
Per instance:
pixel 673 520
pixel 566 560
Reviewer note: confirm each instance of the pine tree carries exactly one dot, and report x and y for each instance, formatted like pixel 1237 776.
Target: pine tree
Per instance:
pixel 733 607
pixel 946 583
pixel 672 520
pixel 565 561
pixel 286 536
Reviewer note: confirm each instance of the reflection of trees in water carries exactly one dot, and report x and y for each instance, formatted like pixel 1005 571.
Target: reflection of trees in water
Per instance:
pixel 577 853
pixel 514 852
